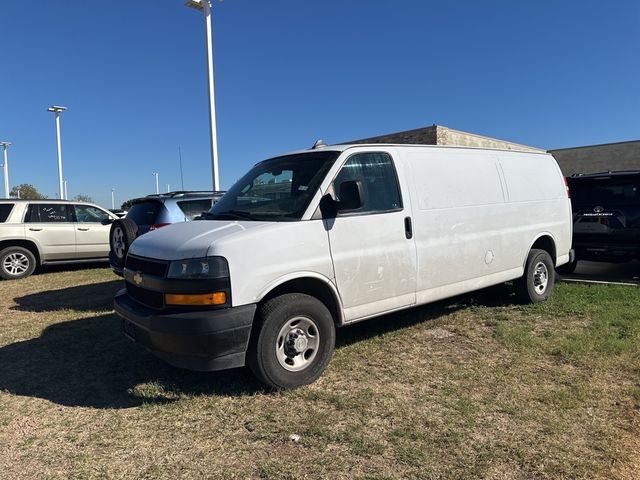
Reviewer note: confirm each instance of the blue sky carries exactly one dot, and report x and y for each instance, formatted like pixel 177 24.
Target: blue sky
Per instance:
pixel 132 74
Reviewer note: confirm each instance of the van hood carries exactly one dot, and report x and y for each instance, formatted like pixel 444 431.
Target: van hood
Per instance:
pixel 188 239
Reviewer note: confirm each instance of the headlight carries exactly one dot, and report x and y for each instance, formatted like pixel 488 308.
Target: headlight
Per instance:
pixel 210 267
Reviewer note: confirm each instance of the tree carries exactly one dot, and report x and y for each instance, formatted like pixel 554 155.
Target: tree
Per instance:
pixel 83 198
pixel 26 191
pixel 126 205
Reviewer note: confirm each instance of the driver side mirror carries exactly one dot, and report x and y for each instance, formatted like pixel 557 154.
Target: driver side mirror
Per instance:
pixel 108 221
pixel 350 196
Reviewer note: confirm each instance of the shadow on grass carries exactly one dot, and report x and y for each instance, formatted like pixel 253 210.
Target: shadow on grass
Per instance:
pixel 71 267
pixel 89 363
pixel 80 298
pixel 499 295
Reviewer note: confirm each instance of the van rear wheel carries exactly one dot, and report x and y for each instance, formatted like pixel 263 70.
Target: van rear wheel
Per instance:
pixel 536 285
pixel 293 342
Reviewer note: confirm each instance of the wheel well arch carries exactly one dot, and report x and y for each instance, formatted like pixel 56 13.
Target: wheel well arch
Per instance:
pixel 314 287
pixel 547 243
pixel 32 247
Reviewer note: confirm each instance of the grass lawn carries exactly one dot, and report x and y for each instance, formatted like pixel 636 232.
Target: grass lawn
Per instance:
pixel 473 387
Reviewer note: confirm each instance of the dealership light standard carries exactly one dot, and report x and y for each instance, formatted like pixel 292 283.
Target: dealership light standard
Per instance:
pixel 155 174
pixel 4 145
pixel 57 110
pixel 113 199
pixel 66 195
pixel 205 7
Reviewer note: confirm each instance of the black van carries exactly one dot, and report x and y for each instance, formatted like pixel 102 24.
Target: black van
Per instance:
pixel 606 216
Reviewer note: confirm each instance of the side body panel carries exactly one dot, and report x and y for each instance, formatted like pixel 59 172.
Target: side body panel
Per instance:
pixel 475 216
pixel 538 203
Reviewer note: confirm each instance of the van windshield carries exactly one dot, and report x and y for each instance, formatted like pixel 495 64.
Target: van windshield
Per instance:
pixel 276 190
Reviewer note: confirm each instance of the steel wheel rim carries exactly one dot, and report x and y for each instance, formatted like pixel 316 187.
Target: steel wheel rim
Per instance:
pixel 297 343
pixel 540 278
pixel 118 242
pixel 15 263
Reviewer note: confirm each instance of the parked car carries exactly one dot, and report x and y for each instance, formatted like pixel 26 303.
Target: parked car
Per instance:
pixel 39 232
pixel 606 216
pixel 152 212
pixel 118 212
pixel 315 240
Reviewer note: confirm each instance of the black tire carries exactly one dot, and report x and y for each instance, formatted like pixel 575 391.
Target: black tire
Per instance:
pixel 536 285
pixel 122 234
pixel 16 262
pixel 279 355
pixel 568 268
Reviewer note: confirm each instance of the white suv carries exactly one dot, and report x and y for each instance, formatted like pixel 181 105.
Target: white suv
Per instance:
pixel 38 232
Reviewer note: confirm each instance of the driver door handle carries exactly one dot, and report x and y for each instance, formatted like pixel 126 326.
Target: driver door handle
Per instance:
pixel 35 229
pixel 83 229
pixel 408 228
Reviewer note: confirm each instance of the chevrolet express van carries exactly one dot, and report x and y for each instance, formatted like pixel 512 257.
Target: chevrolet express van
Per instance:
pixel 314 240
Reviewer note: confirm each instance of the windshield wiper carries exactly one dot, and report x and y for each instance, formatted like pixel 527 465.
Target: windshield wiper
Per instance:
pixel 233 214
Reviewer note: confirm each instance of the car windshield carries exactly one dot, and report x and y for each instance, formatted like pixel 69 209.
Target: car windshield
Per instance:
pixel 275 190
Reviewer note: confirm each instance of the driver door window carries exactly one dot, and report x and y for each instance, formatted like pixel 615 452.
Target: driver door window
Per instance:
pixel 378 180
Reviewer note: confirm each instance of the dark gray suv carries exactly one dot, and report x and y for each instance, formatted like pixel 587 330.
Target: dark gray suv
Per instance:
pixel 153 212
pixel 606 217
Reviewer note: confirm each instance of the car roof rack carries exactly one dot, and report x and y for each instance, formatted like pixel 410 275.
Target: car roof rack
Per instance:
pixel 600 174
pixel 179 193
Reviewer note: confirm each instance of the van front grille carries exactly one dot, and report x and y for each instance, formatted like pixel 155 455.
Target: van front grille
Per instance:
pixel 149 298
pixel 146 266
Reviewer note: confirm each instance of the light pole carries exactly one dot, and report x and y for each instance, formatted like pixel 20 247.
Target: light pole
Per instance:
pixel 57 110
pixel 113 199
pixel 168 188
pixel 155 174
pixel 66 197
pixel 205 7
pixel 4 145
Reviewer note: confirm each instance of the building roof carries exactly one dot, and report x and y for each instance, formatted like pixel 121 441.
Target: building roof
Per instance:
pixel 441 135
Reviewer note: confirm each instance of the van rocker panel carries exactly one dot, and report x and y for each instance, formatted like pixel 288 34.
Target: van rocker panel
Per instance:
pixel 203 340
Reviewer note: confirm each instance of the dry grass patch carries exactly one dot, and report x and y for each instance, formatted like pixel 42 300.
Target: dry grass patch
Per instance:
pixel 474 387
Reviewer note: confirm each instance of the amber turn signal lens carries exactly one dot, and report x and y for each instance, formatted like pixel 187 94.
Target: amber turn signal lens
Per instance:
pixel 216 298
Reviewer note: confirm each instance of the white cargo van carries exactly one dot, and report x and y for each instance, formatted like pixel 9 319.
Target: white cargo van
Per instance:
pixel 317 239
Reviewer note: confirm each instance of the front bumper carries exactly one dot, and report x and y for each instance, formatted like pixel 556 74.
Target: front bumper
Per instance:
pixel 202 340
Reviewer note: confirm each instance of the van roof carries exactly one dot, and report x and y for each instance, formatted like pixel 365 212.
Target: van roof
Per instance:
pixel 343 147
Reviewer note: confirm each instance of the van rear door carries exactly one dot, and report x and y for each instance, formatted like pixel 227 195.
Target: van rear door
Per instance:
pixel 372 247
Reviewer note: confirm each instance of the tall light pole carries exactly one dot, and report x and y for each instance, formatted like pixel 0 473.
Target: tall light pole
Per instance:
pixel 168 188
pixel 113 199
pixel 57 110
pixel 155 174
pixel 205 7
pixel 66 196
pixel 4 145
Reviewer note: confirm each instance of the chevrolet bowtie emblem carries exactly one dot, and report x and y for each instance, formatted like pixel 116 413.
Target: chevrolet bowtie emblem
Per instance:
pixel 137 278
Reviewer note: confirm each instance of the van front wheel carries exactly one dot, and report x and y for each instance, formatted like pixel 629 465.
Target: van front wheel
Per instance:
pixel 293 341
pixel 536 285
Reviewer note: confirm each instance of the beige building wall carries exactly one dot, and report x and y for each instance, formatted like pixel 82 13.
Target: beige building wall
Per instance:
pixel 439 135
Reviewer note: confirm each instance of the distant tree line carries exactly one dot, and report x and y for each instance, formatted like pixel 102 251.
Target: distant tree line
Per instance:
pixel 27 191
